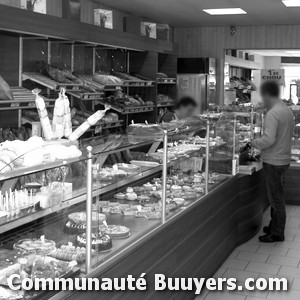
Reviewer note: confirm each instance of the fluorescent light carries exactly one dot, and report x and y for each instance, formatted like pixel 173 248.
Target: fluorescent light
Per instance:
pixel 291 3
pixel 225 11
pixel 293 51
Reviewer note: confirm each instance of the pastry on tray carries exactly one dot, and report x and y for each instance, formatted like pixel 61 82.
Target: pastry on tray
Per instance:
pixel 39 246
pixel 69 252
pixel 101 243
pixel 115 231
pixel 120 196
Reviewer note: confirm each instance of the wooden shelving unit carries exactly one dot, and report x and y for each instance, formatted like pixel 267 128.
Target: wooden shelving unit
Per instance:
pixel 88 49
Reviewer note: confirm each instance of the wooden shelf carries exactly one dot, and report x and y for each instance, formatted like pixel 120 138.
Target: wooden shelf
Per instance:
pixel 129 109
pixel 22 21
pixel 86 95
pixel 166 80
pixel 138 83
pixel 165 104
pixel 23 99
pixel 47 82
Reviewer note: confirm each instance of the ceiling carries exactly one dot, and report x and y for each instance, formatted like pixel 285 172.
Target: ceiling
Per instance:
pixel 281 53
pixel 182 13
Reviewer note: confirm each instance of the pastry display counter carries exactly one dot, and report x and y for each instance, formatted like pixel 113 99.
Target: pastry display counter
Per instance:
pixel 90 209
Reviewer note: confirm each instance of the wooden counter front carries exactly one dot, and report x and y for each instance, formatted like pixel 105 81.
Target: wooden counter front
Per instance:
pixel 193 244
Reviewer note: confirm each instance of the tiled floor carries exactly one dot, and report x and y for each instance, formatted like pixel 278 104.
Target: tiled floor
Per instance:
pixel 256 260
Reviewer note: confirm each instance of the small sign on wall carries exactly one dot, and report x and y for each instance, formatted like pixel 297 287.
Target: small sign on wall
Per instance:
pixel 39 6
pixel 103 18
pixel 148 29
pixel 273 74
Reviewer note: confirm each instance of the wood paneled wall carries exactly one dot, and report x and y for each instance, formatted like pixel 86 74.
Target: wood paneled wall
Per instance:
pixel 212 42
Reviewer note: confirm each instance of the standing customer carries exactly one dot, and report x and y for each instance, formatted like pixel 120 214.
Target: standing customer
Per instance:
pixel 275 145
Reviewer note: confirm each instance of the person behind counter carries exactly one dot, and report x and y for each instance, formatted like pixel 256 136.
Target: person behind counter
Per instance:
pixel 275 145
pixel 185 108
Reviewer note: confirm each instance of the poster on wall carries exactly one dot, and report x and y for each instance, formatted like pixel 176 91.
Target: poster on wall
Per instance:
pixel 148 30
pixel 103 18
pixel 38 6
pixel 273 74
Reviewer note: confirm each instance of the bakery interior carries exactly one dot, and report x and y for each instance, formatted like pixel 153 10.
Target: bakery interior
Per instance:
pixel 93 184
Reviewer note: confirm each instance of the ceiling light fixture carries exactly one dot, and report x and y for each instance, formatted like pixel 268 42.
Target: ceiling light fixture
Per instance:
pixel 225 11
pixel 291 3
pixel 293 51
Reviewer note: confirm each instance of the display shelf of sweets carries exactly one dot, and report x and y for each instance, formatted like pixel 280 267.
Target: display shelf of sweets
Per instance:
pixel 48 82
pixel 16 204
pixel 36 214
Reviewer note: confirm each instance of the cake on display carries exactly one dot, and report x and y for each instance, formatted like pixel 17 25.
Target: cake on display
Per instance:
pixel 115 231
pixel 77 222
pixel 101 243
pixel 38 246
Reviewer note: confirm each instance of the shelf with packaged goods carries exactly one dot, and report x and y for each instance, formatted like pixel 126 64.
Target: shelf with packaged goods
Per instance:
pixel 47 82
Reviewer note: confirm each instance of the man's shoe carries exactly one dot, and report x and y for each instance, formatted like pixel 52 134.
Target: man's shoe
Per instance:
pixel 269 238
pixel 266 230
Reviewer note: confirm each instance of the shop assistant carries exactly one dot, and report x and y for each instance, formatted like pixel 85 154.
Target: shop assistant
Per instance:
pixel 185 108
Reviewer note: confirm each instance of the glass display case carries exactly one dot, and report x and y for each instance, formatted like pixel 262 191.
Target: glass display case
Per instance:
pixel 296 139
pixel 71 215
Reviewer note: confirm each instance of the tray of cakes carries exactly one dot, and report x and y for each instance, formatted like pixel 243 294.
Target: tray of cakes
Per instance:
pixel 70 253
